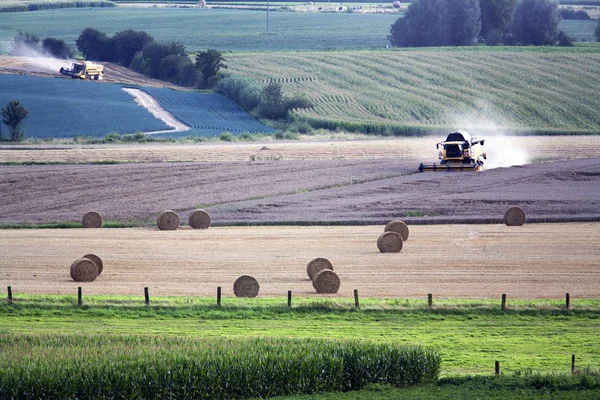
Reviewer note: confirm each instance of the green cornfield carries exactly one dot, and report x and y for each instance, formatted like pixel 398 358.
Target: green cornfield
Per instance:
pixel 148 367
pixel 424 91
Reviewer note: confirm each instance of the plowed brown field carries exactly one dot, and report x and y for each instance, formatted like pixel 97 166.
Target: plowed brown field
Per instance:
pixel 453 261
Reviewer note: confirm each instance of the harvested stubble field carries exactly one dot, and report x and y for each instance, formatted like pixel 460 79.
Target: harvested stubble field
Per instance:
pixel 318 191
pixel 451 261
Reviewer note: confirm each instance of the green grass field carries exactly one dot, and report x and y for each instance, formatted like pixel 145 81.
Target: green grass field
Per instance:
pixel 523 90
pixel 470 335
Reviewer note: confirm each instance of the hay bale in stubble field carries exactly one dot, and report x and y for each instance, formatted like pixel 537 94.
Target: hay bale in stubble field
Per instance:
pixel 246 286
pixel 389 242
pixel 84 270
pixel 199 219
pixel 96 260
pixel 167 220
pixel 92 219
pixel 317 265
pixel 514 217
pixel 326 281
pixel 399 227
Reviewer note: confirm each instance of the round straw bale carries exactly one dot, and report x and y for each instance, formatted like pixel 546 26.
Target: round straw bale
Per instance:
pixel 96 260
pixel 399 227
pixel 91 220
pixel 84 270
pixel 317 265
pixel 167 220
pixel 246 286
pixel 199 219
pixel 514 217
pixel 326 281
pixel 389 242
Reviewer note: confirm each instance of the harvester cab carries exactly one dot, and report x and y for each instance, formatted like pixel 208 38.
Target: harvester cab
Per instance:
pixel 459 152
pixel 84 70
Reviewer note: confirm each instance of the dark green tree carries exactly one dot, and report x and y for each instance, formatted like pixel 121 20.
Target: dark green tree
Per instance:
pixel 209 62
pixel 94 45
pixel 271 102
pixel 56 48
pixel 437 23
pixel 24 43
pixel 126 44
pixel 12 116
pixel 535 22
pixel 495 19
pixel 153 54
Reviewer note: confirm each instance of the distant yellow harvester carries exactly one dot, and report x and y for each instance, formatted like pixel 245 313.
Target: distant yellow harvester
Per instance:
pixel 84 70
pixel 459 152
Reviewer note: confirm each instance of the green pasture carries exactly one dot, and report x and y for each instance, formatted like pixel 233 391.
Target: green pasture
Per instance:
pixel 419 91
pixel 470 335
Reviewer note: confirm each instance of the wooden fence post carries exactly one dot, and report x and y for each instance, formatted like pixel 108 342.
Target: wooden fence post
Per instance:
pixel 573 364
pixel 356 304
pixel 10 299
pixel 219 296
pixel 503 306
pixel 430 300
pixel 79 296
pixel 497 367
pixel 289 298
pixel 567 301
pixel 146 296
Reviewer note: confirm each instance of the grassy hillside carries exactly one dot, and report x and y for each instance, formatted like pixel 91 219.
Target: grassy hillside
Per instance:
pixel 418 91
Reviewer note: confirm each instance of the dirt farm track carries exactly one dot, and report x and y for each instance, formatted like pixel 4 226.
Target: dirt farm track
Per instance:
pixel 451 261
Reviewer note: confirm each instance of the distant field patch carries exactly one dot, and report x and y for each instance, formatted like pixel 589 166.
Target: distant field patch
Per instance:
pixel 208 114
pixel 67 108
pixel 36 5
pixel 412 92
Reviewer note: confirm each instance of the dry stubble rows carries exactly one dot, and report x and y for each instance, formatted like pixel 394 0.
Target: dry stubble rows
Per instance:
pixel 452 261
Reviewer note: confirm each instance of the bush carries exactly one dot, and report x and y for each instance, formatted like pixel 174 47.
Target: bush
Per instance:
pixel 564 40
pixel 272 102
pixel 244 91
pixel 56 48
pixel 298 101
pixel 569 13
pixel 226 137
pixel 535 22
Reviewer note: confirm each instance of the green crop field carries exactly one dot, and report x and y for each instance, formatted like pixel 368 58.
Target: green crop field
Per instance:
pixel 182 344
pixel 236 30
pixel 418 91
pixel 69 107
pixel 208 114
pixel 225 30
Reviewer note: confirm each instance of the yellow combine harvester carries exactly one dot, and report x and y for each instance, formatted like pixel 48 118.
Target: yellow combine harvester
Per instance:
pixel 459 152
pixel 84 70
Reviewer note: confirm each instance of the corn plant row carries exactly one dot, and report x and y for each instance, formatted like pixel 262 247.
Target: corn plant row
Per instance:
pixel 125 367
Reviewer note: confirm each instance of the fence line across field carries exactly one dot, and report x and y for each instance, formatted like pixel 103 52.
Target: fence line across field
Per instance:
pixel 503 302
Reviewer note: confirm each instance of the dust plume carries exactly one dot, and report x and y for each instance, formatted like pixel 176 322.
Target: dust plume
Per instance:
pixel 502 149
pixel 37 61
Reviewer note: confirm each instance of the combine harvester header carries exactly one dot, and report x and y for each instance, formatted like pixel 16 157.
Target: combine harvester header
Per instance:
pixel 459 152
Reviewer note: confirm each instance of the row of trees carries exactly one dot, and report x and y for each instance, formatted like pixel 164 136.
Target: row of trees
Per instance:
pixel 462 22
pixel 168 61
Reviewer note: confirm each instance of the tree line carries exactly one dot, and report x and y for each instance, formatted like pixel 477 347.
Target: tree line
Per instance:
pixel 167 61
pixel 464 22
